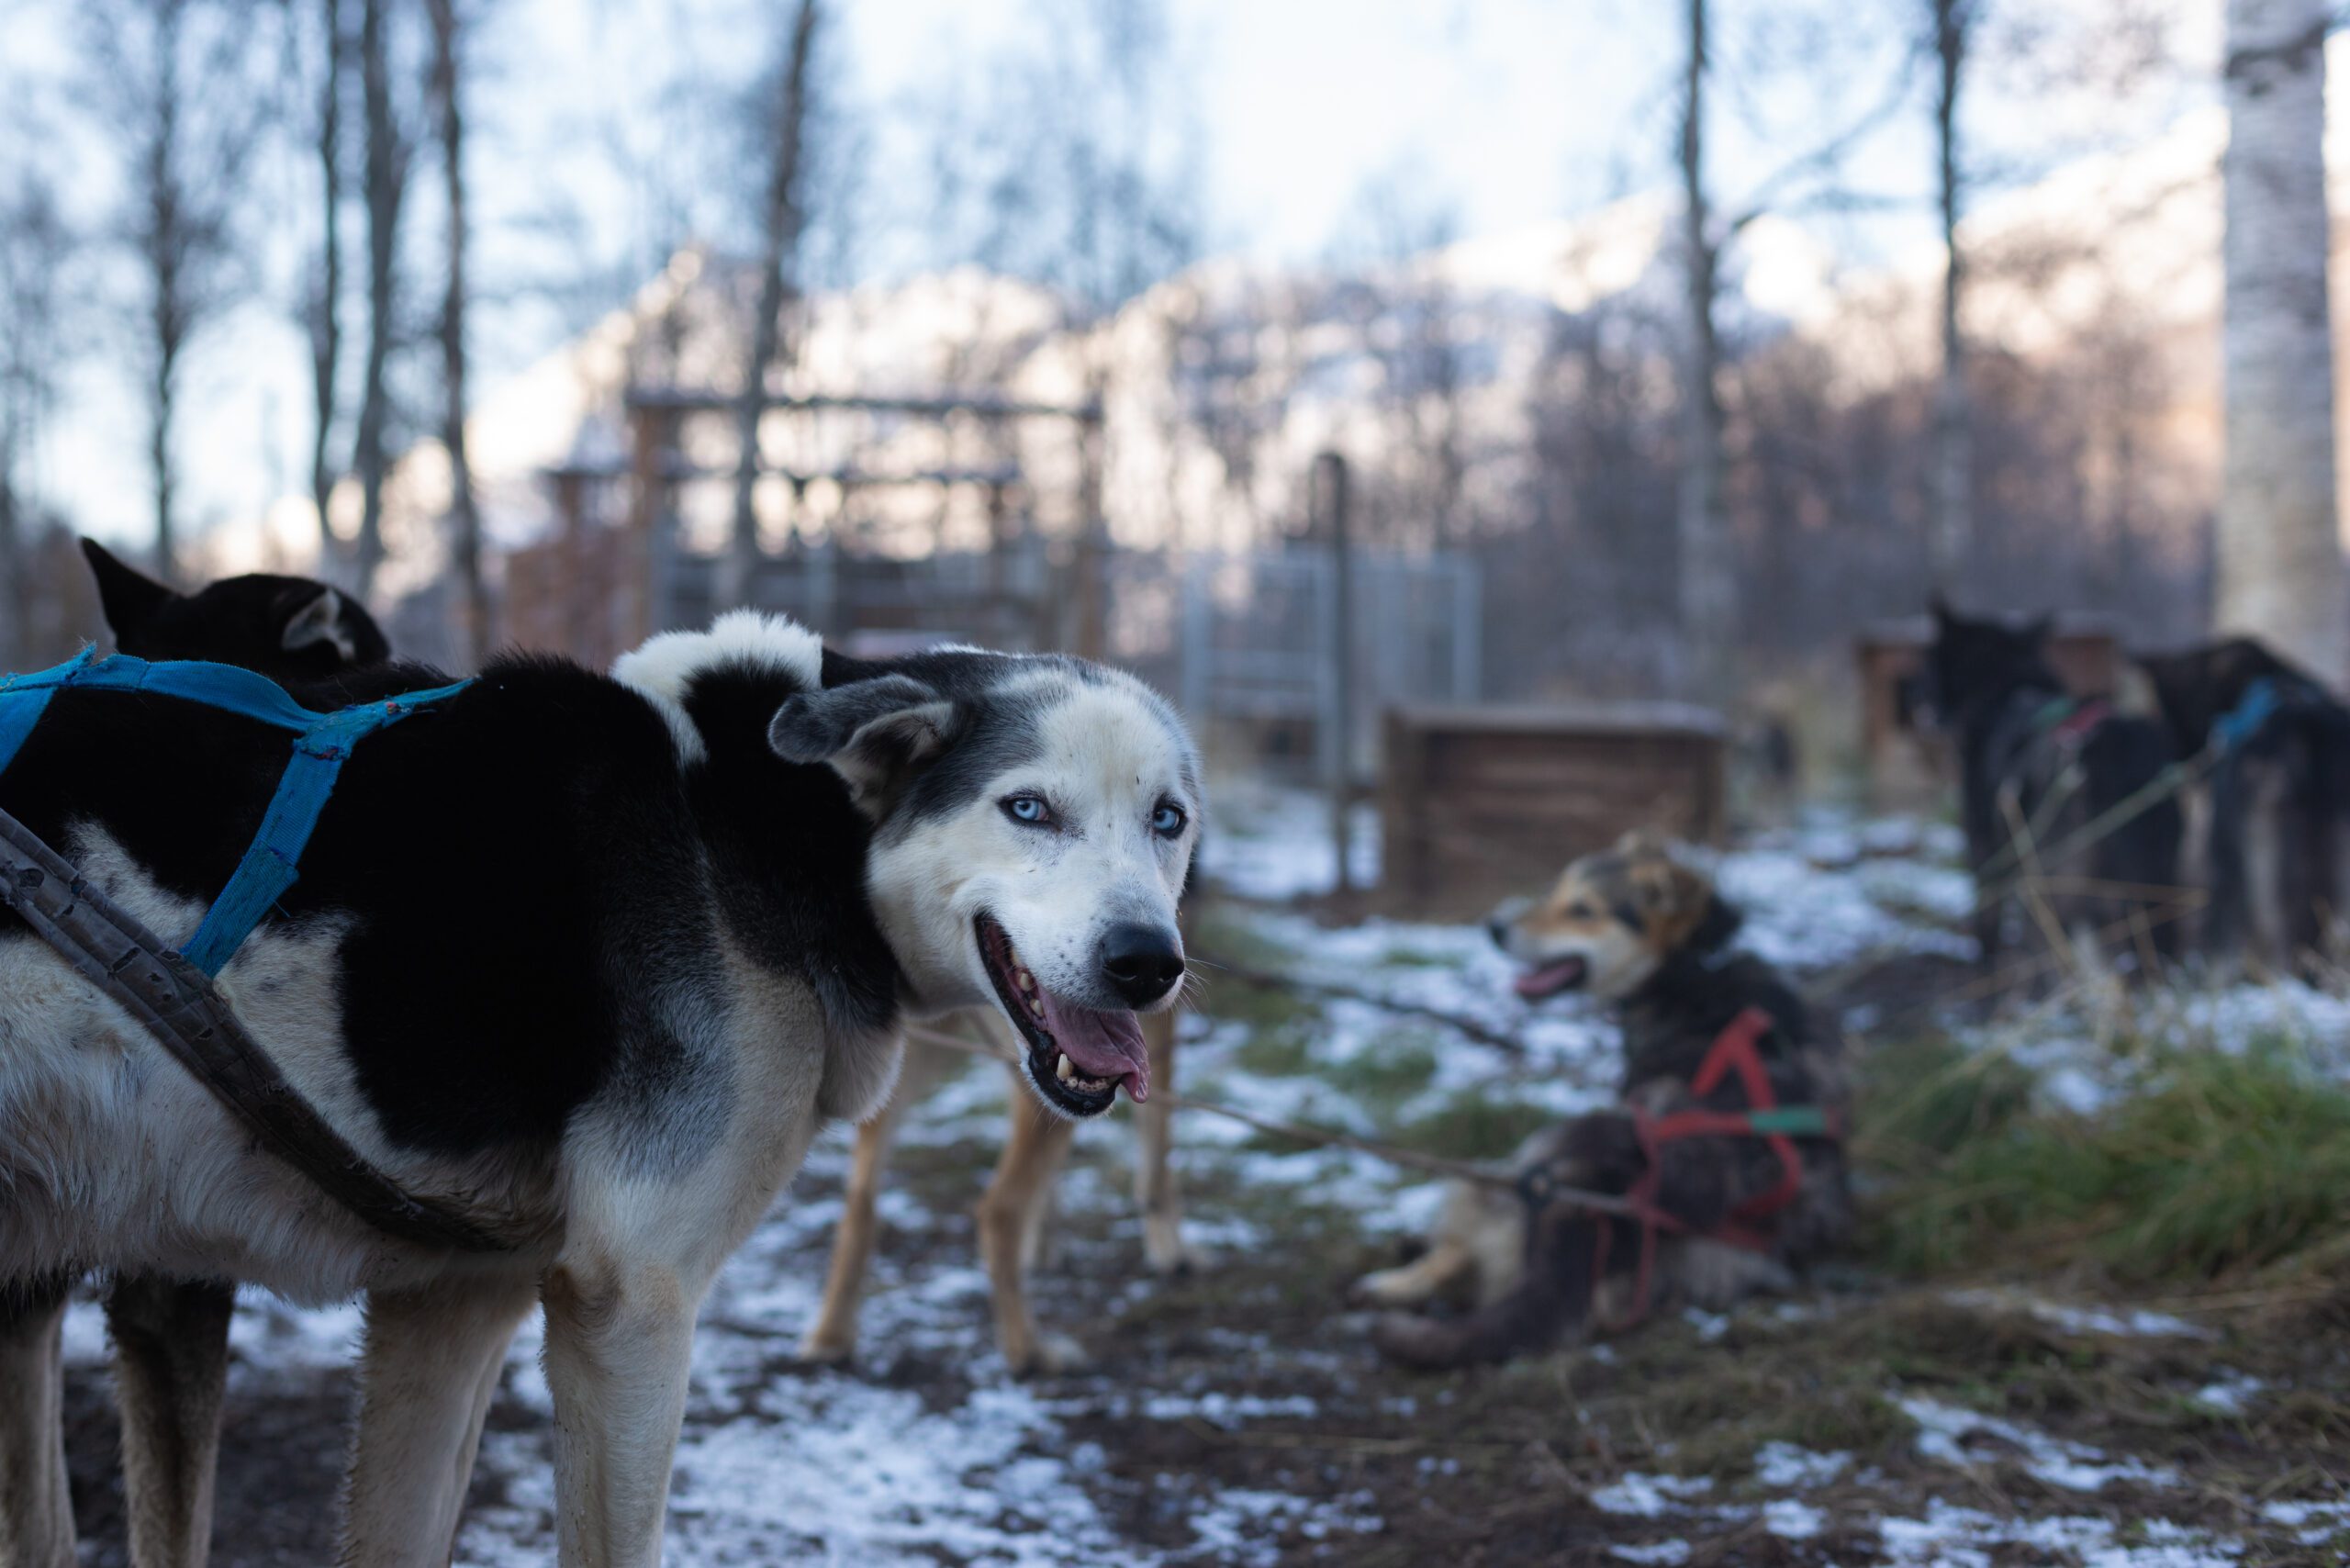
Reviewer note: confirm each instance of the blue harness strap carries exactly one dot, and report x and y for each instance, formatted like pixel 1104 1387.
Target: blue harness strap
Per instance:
pixel 2240 723
pixel 322 743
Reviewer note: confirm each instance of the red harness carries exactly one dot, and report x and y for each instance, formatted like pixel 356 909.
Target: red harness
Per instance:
pixel 1733 1050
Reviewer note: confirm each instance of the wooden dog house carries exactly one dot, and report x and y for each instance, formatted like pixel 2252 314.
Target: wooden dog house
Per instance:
pixel 1479 802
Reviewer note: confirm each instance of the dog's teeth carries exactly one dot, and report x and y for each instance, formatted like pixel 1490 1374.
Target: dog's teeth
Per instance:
pixel 1036 1005
pixel 1067 1071
pixel 1025 981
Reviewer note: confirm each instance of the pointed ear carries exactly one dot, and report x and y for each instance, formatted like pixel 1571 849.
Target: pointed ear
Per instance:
pixel 323 618
pixel 130 598
pixel 1940 609
pixel 2041 630
pixel 877 734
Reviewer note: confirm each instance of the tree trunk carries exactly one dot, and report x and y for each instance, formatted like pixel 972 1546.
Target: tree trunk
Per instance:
pixel 387 180
pixel 325 320
pixel 168 308
pixel 784 220
pixel 2280 574
pixel 464 509
pixel 1953 519
pixel 1708 587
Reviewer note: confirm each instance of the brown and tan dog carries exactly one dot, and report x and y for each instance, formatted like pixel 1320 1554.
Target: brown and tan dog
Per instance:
pixel 1711 1036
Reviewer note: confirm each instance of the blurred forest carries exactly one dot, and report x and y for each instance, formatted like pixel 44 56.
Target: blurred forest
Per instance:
pixel 1692 434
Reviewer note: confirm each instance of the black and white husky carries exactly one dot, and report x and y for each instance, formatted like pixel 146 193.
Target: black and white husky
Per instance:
pixel 592 958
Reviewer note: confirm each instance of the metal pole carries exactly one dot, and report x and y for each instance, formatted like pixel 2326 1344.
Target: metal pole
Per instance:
pixel 1330 491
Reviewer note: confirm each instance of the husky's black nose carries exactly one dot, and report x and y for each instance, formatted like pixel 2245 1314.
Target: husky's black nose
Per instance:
pixel 1142 963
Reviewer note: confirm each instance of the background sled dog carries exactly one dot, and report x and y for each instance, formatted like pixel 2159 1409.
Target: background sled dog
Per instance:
pixel 593 959
pixel 2274 851
pixel 170 1337
pixel 1640 929
pixel 2061 796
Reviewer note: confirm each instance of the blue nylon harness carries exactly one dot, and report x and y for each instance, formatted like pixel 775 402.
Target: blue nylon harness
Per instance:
pixel 322 743
pixel 2240 723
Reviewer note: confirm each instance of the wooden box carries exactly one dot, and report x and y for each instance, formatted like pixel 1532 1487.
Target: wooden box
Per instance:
pixel 1480 803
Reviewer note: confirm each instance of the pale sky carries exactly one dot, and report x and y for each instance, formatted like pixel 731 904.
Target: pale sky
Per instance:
pixel 1503 112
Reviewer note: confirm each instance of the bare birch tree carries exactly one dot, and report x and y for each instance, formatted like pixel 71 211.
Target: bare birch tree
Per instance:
pixel 1953 526
pixel 36 248
pixel 1706 572
pixel 170 82
pixel 389 148
pixel 465 509
pixel 322 307
pixel 784 217
pixel 2280 572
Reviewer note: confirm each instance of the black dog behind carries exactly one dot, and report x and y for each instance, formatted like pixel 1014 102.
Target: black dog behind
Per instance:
pixel 2277 855
pixel 289 629
pixel 1731 1211
pixel 2067 793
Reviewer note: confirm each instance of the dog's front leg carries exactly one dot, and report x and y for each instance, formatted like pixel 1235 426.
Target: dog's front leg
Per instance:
pixel 427 1372
pixel 171 1368
pixel 1155 1187
pixel 36 1504
pixel 619 1346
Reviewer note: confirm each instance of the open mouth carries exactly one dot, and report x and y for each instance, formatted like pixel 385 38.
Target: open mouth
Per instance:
pixel 1560 974
pixel 1077 1056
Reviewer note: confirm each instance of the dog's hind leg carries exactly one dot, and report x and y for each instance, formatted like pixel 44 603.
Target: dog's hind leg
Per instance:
pixel 619 1346
pixel 429 1367
pixel 171 1368
pixel 833 1337
pixel 1032 1157
pixel 2267 916
pixel 1156 1189
pixel 36 1503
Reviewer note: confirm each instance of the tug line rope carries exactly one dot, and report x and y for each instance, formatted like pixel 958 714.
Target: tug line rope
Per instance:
pixel 1319 1138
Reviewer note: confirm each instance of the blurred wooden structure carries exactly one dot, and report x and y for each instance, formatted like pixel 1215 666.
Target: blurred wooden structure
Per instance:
pixel 618 569
pixel 1485 800
pixel 1909 767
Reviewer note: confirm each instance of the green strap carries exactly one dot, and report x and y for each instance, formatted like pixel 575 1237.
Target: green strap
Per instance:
pixel 1795 1121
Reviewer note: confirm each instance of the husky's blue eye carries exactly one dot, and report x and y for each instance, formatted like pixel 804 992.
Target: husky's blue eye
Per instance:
pixel 1028 809
pixel 1169 820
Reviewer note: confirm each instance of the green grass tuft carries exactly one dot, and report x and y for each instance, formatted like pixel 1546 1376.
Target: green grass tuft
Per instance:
pixel 2224 1164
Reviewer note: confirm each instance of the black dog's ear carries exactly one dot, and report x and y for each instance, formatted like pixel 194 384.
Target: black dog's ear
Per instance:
pixel 129 599
pixel 1718 927
pixel 2040 629
pixel 877 734
pixel 1940 609
pixel 323 617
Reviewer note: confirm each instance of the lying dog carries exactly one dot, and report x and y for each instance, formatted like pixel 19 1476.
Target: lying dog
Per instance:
pixel 2274 851
pixel 170 1336
pixel 1728 1210
pixel 591 960
pixel 2061 795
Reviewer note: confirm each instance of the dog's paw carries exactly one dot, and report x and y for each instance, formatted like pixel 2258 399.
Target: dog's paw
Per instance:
pixel 1048 1355
pixel 1409 1339
pixel 1387 1287
pixel 822 1350
pixel 1170 1257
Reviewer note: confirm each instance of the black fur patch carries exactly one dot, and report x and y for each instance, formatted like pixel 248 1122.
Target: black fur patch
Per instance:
pixel 522 870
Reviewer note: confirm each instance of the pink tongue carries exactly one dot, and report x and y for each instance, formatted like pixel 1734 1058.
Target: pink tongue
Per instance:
pixel 1538 983
pixel 1104 1044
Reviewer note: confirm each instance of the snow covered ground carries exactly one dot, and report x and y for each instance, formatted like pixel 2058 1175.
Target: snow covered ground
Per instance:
pixel 926 1451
